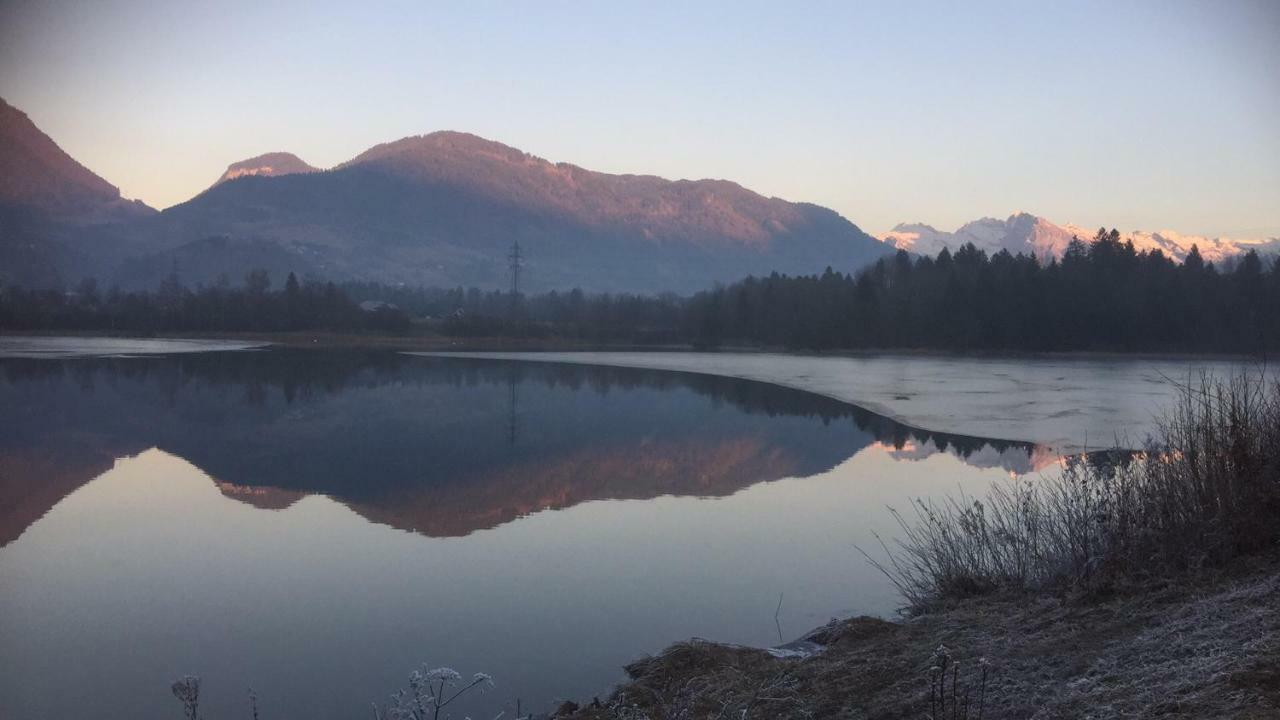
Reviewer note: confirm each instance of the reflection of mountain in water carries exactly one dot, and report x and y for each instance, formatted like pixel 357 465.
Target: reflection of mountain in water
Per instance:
pixel 440 446
pixel 1015 459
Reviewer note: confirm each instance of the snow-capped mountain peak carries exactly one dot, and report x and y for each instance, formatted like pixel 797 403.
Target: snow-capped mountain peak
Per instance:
pixel 1033 235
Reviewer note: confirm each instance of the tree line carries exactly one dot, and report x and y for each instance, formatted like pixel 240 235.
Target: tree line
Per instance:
pixel 1103 295
pixel 173 307
pixel 471 312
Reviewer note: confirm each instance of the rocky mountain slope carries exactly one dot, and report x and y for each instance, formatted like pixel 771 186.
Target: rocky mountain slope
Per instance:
pixel 272 164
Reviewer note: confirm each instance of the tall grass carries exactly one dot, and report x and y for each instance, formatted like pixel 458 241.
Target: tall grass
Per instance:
pixel 1205 491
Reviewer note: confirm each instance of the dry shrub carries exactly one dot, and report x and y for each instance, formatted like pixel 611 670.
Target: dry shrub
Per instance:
pixel 1206 491
pixel 698 679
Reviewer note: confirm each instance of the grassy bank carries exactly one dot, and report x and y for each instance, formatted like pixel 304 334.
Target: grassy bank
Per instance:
pixel 1208 648
pixel 1147 587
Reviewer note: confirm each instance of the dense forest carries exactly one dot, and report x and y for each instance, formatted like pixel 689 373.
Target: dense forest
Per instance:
pixel 172 307
pixel 1102 295
pixel 621 317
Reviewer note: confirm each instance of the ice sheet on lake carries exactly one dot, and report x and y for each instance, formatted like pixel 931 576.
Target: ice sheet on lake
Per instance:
pixel 1065 403
pixel 70 347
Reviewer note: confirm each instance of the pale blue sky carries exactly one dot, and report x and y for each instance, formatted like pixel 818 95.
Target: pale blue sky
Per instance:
pixel 1141 115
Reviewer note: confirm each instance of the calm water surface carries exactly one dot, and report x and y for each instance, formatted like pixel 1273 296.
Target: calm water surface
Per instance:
pixel 315 524
pixel 1079 402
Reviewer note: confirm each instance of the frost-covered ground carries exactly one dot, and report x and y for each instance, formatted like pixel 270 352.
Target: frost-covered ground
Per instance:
pixel 1208 648
pixel 1065 403
pixel 69 347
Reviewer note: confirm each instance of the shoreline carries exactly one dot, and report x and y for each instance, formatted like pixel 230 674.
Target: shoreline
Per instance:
pixel 1065 403
pixel 1205 645
pixel 442 343
pixel 1060 404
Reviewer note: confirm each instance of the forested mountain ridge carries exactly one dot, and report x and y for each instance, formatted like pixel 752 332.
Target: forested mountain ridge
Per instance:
pixel 49 205
pixel 37 174
pixel 442 209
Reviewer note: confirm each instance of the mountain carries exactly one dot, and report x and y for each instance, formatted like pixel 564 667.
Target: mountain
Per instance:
pixel 273 164
pixel 47 200
pixel 1031 235
pixel 38 175
pixel 441 209
pixel 444 209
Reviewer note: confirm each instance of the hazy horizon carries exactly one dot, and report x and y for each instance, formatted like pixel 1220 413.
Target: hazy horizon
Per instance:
pixel 1144 116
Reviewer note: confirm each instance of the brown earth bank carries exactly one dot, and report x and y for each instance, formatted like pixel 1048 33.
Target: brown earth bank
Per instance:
pixel 1202 647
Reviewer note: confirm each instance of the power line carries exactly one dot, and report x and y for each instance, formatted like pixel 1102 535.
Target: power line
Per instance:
pixel 514 258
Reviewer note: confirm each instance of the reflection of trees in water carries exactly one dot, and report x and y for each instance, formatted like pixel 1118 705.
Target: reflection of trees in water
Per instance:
pixel 749 396
pixel 269 419
pixel 1102 462
pixel 302 375
pixel 512 412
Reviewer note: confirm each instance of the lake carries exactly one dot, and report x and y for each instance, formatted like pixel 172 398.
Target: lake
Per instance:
pixel 317 523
